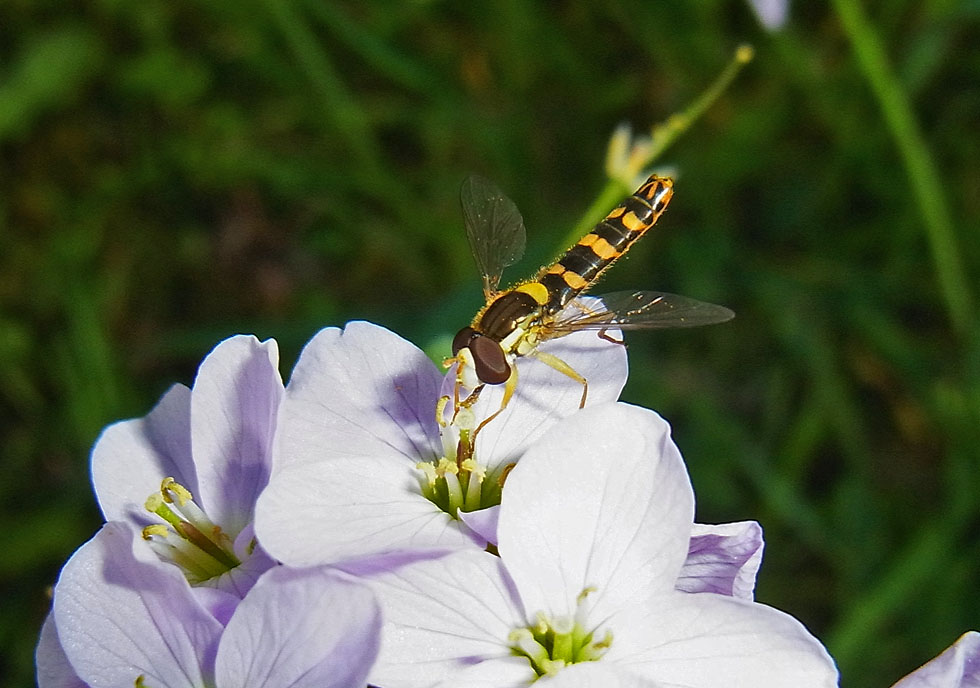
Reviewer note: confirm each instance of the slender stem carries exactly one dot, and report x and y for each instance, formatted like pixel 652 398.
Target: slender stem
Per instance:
pixel 611 194
pixel 676 125
pixel 919 166
pixel 662 136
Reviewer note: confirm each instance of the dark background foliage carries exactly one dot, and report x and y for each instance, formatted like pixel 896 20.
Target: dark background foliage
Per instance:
pixel 175 172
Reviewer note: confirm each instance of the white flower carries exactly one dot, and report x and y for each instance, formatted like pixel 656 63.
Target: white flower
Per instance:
pixel 359 447
pixel 594 530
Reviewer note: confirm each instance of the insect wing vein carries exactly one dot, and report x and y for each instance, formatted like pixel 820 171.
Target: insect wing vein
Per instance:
pixel 636 310
pixel 494 227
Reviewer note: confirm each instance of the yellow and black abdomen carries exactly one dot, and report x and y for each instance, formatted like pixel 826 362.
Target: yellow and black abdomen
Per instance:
pixel 612 237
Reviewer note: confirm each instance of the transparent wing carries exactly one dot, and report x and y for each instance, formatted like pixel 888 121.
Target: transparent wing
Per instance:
pixel 636 310
pixel 495 229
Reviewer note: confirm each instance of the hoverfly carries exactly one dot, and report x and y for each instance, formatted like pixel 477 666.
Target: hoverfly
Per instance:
pixel 515 321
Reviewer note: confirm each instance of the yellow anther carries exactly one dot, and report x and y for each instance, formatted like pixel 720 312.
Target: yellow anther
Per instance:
pixel 447 466
pixel 605 642
pixel 474 469
pixel 156 529
pixel 154 502
pixel 428 470
pixel 543 623
pixel 173 491
pixel 441 408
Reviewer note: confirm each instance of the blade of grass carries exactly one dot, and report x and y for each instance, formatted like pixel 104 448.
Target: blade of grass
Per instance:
pixel 921 169
pixel 339 104
pixel 382 56
pixel 662 136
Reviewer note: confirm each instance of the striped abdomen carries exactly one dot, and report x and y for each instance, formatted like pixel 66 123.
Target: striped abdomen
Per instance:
pixel 612 237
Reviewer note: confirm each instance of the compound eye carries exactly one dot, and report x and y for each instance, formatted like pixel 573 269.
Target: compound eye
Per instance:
pixel 489 360
pixel 462 339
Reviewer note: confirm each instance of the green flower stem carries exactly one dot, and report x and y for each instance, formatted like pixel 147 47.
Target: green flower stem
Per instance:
pixel 676 125
pixel 918 163
pixel 611 194
pixel 663 136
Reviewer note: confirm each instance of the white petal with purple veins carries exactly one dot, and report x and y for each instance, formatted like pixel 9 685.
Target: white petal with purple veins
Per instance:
pixel 723 559
pixel 300 629
pixel 602 500
pixel 957 667
pixel 234 404
pixel 121 613
pixel 131 457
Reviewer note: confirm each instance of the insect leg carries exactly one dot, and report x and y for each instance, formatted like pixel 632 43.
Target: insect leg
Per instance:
pixel 563 367
pixel 509 388
pixel 603 335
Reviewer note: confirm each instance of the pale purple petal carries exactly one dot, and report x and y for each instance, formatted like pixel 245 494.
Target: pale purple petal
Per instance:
pixel 346 508
pixel 132 457
pixel 772 14
pixel 505 672
pixel 594 675
pixel 687 640
pixel 957 667
pixel 255 561
pixel 53 668
pixel 121 613
pixel 723 559
pixel 300 629
pixel 234 404
pixel 443 616
pixel 239 580
pixel 482 522
pixel 602 501
pixel 545 395
pixel 219 601
pixel 361 391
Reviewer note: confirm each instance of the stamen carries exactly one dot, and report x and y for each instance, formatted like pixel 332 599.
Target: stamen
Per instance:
pixel 477 473
pixel 565 640
pixel 524 642
pixel 441 411
pixel 429 471
pixel 202 549
pixel 455 491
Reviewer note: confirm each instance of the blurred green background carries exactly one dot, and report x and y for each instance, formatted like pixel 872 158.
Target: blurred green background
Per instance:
pixel 175 172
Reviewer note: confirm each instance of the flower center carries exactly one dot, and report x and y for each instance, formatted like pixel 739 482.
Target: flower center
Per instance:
pixel 457 481
pixel 187 537
pixel 553 644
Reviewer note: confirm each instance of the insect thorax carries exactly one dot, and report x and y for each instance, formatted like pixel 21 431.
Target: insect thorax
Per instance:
pixel 512 313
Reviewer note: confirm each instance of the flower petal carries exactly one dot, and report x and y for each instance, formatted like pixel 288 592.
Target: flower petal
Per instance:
pixel 724 559
pixel 687 640
pixel 957 667
pixel 347 508
pixel 131 457
pixel 121 613
pixel 506 672
pixel 603 501
pixel 300 629
pixel 445 615
pixel 53 668
pixel 545 395
pixel 359 391
pixel 772 14
pixel 482 522
pixel 234 404
pixel 592 674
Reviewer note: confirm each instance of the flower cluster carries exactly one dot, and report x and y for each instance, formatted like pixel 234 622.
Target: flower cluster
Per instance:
pixel 354 528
